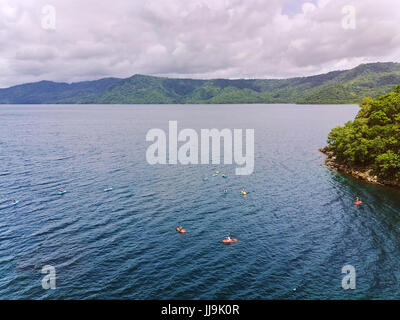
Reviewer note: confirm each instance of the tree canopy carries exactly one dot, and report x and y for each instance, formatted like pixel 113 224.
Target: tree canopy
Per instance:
pixel 372 140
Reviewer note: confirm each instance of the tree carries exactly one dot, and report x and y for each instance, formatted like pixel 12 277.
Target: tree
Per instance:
pixel 372 140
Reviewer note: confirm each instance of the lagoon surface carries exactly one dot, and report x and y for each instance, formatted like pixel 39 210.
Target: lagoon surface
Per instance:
pixel 296 228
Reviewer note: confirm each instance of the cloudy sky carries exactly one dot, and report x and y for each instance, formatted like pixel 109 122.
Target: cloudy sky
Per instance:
pixel 74 40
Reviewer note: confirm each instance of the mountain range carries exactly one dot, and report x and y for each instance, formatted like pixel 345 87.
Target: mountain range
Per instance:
pixel 337 87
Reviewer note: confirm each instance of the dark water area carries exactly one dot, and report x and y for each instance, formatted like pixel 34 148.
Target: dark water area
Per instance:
pixel 296 228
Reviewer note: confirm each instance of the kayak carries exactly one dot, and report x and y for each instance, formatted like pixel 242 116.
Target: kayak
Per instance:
pixel 357 203
pixel 14 203
pixel 108 189
pixel 181 230
pixel 62 192
pixel 229 241
pixel 244 193
pixel 215 174
pixel 205 179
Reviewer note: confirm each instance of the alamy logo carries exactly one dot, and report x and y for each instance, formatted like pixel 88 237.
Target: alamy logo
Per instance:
pixel 349 20
pixel 49 280
pixel 349 280
pixel 189 153
pixel 49 17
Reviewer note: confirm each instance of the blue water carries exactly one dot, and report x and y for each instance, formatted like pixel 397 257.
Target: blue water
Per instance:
pixel 297 227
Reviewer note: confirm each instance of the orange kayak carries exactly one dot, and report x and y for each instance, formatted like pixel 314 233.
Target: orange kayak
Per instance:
pixel 229 241
pixel 181 230
pixel 358 203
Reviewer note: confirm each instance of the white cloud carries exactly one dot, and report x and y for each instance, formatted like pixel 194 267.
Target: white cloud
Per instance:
pixel 194 38
pixel 308 7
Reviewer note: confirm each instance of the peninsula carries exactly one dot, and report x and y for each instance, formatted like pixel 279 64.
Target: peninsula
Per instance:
pixel 368 148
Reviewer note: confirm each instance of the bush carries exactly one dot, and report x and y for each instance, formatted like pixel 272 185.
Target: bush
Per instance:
pixel 388 164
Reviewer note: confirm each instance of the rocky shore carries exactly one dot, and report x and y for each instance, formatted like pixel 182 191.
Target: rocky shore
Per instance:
pixel 365 174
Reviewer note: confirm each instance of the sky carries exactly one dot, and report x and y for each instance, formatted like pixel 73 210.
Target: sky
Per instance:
pixel 77 40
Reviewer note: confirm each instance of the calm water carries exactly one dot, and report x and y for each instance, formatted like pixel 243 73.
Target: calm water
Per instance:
pixel 297 227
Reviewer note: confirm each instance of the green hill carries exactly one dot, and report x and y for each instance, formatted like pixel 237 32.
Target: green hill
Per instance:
pixel 338 87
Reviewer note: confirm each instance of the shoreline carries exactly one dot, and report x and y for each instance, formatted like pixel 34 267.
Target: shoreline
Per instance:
pixel 183 104
pixel 365 174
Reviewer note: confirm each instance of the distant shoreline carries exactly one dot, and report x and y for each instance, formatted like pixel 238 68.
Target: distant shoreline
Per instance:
pixel 179 104
pixel 365 174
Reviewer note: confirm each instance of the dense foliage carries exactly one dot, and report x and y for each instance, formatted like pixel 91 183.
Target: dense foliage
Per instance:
pixel 372 140
pixel 336 87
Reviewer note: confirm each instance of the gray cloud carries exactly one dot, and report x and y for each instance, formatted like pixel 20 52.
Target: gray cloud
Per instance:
pixel 194 38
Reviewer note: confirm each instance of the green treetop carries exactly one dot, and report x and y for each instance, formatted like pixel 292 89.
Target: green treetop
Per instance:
pixel 372 140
